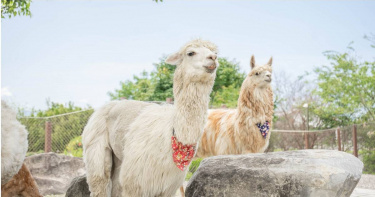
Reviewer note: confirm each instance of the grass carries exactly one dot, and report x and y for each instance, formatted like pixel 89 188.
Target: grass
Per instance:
pixel 193 167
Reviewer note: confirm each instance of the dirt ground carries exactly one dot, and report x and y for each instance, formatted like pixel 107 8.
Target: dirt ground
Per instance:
pixel 367 181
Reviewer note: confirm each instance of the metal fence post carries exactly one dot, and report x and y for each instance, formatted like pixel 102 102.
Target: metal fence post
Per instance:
pixel 48 137
pixel 338 139
pixel 355 149
pixel 306 140
pixel 169 100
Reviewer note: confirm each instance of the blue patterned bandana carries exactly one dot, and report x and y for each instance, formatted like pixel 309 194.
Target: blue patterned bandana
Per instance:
pixel 264 129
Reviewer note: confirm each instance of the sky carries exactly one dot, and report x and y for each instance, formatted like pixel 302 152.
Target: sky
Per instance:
pixel 80 50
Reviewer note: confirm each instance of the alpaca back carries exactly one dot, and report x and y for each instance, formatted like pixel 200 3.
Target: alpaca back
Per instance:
pixel 218 137
pixel 112 122
pixel 13 143
pixel 119 119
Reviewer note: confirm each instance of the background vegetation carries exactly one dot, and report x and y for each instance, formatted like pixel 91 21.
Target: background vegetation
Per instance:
pixel 158 85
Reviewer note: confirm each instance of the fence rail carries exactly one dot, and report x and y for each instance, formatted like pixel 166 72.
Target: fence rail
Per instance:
pixel 358 139
pixel 61 134
pixel 54 133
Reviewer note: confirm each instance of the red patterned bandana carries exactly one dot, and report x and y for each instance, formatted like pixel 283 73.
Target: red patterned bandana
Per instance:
pixel 182 154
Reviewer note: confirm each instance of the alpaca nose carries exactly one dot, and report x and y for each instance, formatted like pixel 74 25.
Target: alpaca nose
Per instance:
pixel 268 75
pixel 213 57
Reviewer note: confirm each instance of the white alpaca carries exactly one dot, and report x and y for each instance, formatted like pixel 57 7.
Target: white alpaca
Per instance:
pixel 13 143
pixel 128 144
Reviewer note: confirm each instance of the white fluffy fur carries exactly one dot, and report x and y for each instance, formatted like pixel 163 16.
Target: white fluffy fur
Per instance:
pixel 127 144
pixel 13 143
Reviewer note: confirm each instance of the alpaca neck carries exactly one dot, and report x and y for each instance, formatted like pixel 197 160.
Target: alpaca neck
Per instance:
pixel 191 105
pixel 255 105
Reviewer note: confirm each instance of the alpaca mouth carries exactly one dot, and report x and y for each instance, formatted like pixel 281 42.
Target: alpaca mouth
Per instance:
pixel 268 80
pixel 210 69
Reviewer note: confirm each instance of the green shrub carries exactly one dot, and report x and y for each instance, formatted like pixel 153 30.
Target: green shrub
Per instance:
pixel 74 147
pixel 193 167
pixel 369 162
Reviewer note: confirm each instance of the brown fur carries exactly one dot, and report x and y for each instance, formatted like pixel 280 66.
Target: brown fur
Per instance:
pixel 215 125
pixel 235 131
pixel 21 184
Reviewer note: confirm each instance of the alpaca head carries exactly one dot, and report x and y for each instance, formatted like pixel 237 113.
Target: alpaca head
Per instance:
pixel 260 75
pixel 196 61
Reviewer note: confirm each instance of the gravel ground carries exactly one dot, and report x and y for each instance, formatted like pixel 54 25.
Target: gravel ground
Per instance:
pixel 367 181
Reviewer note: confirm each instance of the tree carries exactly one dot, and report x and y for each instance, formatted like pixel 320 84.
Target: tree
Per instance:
pixel 11 8
pixel 163 80
pixel 347 89
pixel 227 96
pixel 54 108
pixel 141 88
pixel 159 84
pixel 229 78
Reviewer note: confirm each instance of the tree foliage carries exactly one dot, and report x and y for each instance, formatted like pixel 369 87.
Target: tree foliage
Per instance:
pixel 11 8
pixel 54 108
pixel 163 80
pixel 227 96
pixel 347 89
pixel 158 85
pixel 228 83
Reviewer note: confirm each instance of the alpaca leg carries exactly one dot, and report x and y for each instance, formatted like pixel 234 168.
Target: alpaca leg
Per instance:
pixel 98 161
pixel 116 186
pixel 129 185
pixel 182 191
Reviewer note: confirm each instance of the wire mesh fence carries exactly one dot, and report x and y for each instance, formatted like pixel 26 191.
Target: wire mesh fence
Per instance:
pixel 357 139
pixel 295 140
pixel 61 134
pixel 54 133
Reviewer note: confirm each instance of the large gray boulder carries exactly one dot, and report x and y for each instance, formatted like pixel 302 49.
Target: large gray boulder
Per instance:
pixel 53 173
pixel 78 188
pixel 292 173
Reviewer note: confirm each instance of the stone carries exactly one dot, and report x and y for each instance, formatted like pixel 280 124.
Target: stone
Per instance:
pixel 323 173
pixel 78 188
pixel 53 173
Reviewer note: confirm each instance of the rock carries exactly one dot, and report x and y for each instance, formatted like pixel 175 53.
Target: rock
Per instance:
pixel 292 173
pixel 78 188
pixel 54 172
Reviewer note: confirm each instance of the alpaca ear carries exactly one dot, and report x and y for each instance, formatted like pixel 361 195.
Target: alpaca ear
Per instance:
pixel 270 62
pixel 174 59
pixel 252 62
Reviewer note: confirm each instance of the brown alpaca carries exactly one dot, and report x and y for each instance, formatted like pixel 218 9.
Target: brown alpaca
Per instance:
pixel 22 184
pixel 236 131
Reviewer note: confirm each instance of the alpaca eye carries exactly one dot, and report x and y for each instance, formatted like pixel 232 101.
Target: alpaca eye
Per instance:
pixel 256 73
pixel 191 53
